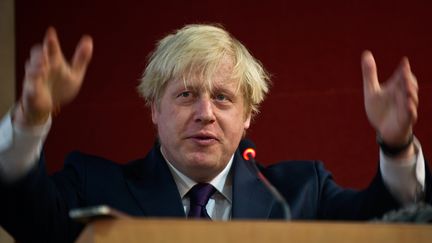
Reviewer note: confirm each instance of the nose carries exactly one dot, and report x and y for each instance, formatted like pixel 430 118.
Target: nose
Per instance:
pixel 204 112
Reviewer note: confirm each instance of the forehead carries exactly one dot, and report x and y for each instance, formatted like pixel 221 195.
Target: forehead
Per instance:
pixel 209 78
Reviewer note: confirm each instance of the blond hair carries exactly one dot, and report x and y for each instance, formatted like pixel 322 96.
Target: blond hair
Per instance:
pixel 198 49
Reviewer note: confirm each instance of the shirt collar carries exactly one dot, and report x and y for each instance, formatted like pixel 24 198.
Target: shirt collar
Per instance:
pixel 222 182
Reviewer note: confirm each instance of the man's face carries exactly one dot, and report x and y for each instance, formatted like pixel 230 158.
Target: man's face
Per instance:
pixel 199 129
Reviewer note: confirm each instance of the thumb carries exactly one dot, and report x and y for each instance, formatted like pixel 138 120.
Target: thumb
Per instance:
pixel 369 72
pixel 83 54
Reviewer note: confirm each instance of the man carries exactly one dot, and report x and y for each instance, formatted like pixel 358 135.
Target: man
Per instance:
pixel 203 87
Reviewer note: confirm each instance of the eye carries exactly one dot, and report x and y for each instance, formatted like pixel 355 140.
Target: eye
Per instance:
pixel 221 97
pixel 184 94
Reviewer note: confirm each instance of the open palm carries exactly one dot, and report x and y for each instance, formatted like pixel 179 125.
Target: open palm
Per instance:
pixel 50 81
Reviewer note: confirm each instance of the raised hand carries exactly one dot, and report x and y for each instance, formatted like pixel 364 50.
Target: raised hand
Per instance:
pixel 50 81
pixel 391 107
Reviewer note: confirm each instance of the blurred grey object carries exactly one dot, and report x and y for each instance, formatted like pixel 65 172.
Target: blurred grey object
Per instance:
pixel 416 213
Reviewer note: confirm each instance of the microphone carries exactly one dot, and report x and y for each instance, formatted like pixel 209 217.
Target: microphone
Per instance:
pixel 247 148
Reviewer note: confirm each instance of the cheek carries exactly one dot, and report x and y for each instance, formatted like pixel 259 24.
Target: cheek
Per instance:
pixel 172 120
pixel 232 125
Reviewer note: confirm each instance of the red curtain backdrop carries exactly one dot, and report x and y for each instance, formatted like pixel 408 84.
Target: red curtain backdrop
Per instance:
pixel 315 108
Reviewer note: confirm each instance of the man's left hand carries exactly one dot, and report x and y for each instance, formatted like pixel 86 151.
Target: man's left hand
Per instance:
pixel 390 107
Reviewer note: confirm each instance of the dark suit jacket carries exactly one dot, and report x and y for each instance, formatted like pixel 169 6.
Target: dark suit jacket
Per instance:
pixel 36 208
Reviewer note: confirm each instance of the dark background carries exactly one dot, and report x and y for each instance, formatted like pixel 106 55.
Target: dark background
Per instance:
pixel 312 49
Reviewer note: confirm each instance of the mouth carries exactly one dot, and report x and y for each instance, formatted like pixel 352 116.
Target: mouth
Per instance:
pixel 204 139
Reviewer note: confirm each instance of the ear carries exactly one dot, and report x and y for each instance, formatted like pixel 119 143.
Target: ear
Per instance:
pixel 247 121
pixel 155 113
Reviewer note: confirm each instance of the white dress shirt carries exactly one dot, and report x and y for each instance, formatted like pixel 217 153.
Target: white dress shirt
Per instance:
pixel 220 203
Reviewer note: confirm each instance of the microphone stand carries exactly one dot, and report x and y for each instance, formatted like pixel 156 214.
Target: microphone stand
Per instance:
pixel 249 155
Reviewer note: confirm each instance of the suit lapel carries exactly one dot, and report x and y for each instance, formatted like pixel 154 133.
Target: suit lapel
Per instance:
pixel 153 186
pixel 251 200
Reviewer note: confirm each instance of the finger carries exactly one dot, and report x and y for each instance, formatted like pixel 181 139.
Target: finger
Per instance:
pixel 412 111
pixel 414 81
pixel 407 74
pixel 82 55
pixel 36 55
pixel 369 71
pixel 405 69
pixel 406 100
pixel 410 104
pixel 408 81
pixel 32 71
pixel 51 43
pixel 398 79
pixel 29 83
pixel 36 63
pixel 412 92
pixel 35 76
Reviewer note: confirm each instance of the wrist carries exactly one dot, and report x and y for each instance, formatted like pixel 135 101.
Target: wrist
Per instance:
pixel 27 119
pixel 396 150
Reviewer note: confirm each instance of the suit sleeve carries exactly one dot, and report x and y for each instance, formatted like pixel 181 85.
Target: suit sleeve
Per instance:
pixel 370 203
pixel 35 208
pixel 312 193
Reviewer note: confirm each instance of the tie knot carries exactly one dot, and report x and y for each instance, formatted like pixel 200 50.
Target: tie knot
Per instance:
pixel 201 193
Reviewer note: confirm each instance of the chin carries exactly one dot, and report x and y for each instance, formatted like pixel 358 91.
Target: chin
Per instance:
pixel 204 168
pixel 202 175
pixel 203 163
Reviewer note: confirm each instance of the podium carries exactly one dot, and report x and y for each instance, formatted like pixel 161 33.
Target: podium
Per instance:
pixel 179 231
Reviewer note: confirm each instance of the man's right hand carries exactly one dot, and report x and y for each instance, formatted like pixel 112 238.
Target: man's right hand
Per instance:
pixel 50 81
